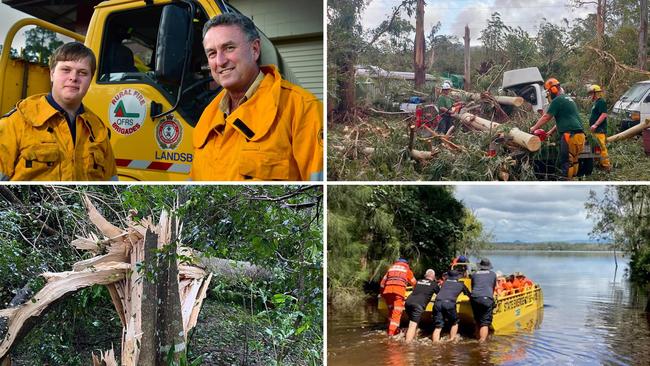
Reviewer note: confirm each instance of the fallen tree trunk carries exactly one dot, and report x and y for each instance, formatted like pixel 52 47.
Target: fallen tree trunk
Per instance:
pixel 630 132
pixel 529 142
pixel 501 99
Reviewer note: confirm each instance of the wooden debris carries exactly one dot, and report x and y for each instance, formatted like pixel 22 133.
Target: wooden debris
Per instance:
pixel 172 302
pixel 630 132
pixel 529 142
pixel 501 99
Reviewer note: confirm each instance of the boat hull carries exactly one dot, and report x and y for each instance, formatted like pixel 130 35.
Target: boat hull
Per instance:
pixel 511 312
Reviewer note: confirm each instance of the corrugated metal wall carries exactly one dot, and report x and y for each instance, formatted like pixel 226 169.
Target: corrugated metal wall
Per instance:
pixel 296 28
pixel 305 58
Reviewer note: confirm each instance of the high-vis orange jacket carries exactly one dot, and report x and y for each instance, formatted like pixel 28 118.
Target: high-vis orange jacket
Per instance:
pixel 277 134
pixel 396 279
pixel 36 144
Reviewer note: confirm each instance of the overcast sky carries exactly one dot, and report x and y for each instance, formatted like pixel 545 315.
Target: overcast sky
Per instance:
pixel 530 213
pixel 10 16
pixel 454 15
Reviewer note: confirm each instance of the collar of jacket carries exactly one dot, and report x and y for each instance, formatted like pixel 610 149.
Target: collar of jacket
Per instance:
pixel 36 110
pixel 253 118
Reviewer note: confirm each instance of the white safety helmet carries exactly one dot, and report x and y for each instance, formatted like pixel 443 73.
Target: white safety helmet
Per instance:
pixel 446 85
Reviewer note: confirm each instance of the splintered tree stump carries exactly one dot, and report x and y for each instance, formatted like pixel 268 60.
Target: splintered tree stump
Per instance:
pixel 157 299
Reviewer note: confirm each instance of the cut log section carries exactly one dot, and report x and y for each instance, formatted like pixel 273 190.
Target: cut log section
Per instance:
pixel 501 99
pixel 529 142
pixel 630 132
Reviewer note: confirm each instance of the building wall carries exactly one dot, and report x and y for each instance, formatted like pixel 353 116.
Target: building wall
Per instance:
pixel 296 28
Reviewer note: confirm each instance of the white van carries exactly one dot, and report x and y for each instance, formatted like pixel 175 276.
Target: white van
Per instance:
pixel 634 105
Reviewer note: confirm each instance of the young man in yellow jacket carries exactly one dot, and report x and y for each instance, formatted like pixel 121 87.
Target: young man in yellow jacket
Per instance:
pixel 52 136
pixel 259 127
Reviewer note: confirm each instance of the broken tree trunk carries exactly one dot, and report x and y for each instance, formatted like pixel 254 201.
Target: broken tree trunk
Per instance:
pixel 529 142
pixel 127 268
pixel 501 99
pixel 630 132
pixel 468 80
pixel 418 52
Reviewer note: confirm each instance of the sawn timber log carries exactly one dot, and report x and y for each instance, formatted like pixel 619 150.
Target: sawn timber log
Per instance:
pixel 529 142
pixel 630 132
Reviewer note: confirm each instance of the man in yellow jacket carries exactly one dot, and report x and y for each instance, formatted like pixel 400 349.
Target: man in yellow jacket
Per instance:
pixel 259 127
pixel 52 136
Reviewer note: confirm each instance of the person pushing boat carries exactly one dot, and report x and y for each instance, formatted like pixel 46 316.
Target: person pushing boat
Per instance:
pixel 484 283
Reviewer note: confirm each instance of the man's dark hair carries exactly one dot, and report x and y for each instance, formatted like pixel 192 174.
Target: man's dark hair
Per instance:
pixel 243 22
pixel 73 51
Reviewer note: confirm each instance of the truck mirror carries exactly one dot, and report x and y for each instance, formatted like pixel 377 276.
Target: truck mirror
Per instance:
pixel 172 42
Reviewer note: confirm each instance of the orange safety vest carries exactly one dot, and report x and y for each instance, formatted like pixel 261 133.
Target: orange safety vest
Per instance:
pixel 396 279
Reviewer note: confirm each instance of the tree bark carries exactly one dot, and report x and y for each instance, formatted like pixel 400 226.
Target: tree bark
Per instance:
pixel 643 36
pixel 468 79
pixel 530 142
pixel 172 334
pixel 630 132
pixel 601 8
pixel 149 343
pixel 418 53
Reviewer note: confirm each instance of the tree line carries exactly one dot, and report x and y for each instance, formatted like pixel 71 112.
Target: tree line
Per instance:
pixel 369 227
pixel 607 47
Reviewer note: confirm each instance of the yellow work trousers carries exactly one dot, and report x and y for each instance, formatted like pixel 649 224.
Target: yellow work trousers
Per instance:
pixel 604 156
pixel 571 145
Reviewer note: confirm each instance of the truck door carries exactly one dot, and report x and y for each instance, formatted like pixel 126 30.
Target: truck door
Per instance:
pixel 151 86
pixel 153 81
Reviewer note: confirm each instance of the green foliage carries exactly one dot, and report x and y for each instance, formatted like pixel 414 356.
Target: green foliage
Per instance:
pixel 621 214
pixel 40 43
pixel 370 226
pixel 276 227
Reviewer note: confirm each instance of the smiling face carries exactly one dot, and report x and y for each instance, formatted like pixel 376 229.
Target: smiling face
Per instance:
pixel 232 58
pixel 70 82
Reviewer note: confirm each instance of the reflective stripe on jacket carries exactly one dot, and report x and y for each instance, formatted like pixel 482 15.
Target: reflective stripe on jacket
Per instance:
pixel 36 144
pixel 396 279
pixel 274 135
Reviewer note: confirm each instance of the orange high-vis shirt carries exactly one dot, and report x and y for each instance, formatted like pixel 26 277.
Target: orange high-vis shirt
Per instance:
pixel 277 134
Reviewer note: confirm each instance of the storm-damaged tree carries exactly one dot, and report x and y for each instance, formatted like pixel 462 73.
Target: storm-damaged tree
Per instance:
pixel 643 35
pixel 418 53
pixel 622 214
pixel 345 43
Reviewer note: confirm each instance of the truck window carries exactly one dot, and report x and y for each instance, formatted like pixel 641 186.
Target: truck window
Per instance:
pixel 128 57
pixel 635 93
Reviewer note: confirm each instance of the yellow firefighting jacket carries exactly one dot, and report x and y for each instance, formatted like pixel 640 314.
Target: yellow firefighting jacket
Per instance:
pixel 277 134
pixel 36 144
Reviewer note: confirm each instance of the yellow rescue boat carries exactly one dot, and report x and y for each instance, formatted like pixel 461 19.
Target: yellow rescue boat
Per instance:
pixel 508 313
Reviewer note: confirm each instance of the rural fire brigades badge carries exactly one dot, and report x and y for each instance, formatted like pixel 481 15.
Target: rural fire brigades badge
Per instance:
pixel 126 111
pixel 169 132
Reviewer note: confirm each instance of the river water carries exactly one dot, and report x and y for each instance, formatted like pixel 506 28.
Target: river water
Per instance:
pixel 591 316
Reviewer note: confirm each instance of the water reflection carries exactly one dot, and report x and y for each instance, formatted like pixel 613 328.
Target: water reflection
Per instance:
pixel 590 317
